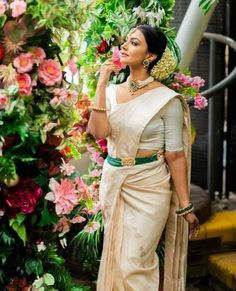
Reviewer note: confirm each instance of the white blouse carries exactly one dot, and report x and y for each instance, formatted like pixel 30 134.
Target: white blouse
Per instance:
pixel 164 131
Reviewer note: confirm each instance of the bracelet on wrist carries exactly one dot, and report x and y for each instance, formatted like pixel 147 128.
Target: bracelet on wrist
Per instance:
pixel 185 210
pixel 98 109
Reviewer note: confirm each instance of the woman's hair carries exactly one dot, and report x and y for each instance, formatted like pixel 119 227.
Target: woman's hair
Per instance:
pixel 156 42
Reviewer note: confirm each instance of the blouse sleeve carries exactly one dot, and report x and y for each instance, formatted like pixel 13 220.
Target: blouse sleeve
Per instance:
pixel 110 97
pixel 173 118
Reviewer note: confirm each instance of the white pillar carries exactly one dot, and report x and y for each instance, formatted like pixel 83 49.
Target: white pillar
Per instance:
pixel 191 30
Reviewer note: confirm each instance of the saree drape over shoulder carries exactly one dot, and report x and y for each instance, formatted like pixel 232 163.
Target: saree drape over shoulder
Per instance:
pixel 138 202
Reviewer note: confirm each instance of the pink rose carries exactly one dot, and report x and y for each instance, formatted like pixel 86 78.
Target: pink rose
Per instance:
pixel 49 72
pixel 197 82
pixel 38 54
pixel 200 102
pixel 18 7
pixel 116 58
pixel 24 82
pixel 3 101
pixel 2 7
pixel 23 63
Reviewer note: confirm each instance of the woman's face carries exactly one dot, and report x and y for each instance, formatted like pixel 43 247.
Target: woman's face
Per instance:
pixel 135 49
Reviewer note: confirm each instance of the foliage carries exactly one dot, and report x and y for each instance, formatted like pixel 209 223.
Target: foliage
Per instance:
pixel 207 4
pixel 41 128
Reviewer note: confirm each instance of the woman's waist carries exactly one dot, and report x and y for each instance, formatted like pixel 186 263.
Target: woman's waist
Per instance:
pixel 149 152
pixel 142 157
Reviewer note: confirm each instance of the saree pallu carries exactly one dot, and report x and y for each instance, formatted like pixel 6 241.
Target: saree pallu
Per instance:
pixel 138 202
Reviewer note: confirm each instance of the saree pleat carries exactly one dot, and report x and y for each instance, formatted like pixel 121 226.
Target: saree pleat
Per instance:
pixel 137 204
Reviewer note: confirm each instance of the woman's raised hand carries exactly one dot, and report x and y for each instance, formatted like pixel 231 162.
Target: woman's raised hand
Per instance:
pixel 106 69
pixel 194 225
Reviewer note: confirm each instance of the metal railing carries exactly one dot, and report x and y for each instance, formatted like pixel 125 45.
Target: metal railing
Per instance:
pixel 216 115
pixel 214 37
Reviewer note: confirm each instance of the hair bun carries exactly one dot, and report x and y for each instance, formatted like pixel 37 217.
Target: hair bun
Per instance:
pixel 165 66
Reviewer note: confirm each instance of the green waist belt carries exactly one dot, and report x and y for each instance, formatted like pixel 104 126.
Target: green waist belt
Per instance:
pixel 130 161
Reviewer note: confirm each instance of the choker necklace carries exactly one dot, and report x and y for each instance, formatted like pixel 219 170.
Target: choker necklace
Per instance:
pixel 134 85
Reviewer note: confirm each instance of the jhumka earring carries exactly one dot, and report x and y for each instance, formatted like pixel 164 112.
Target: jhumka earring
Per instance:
pixel 146 63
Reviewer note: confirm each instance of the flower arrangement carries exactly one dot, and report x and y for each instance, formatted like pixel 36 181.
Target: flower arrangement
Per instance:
pixel 189 86
pixel 42 197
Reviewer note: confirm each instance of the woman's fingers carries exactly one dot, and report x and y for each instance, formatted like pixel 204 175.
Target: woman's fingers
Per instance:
pixel 194 228
pixel 194 225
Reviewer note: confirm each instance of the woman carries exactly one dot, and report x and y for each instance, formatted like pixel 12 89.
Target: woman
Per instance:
pixel 144 187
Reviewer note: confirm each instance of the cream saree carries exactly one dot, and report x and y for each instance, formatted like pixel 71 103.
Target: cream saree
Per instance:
pixel 138 202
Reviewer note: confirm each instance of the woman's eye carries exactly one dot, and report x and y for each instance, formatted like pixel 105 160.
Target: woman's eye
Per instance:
pixel 134 43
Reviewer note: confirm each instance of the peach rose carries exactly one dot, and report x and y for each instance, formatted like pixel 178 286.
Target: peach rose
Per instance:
pixel 24 82
pixel 49 72
pixel 23 63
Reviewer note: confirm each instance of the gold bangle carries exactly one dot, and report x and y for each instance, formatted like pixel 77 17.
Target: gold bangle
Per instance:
pixel 99 109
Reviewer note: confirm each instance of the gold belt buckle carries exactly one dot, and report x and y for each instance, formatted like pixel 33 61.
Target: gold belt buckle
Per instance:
pixel 128 162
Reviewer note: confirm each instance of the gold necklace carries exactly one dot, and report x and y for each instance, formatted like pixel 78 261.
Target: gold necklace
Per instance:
pixel 134 85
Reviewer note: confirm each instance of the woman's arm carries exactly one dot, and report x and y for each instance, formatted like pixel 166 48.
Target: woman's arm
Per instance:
pixel 98 124
pixel 176 160
pixel 178 168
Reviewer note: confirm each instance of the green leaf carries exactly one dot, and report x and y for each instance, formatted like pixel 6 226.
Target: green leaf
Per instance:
pixel 38 283
pixel 3 19
pixel 20 218
pixel 19 227
pixel 34 266
pixel 207 4
pixel 47 218
pixel 41 180
pixel 48 279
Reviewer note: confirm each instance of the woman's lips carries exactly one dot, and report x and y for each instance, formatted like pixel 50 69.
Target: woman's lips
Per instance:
pixel 124 55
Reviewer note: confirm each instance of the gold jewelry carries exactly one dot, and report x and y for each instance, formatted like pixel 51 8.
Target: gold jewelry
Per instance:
pixel 134 85
pixel 165 66
pixel 99 109
pixel 146 63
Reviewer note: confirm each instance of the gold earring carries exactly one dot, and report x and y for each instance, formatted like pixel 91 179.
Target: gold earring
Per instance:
pixel 146 63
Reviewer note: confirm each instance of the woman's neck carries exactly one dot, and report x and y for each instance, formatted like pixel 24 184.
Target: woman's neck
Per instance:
pixel 138 74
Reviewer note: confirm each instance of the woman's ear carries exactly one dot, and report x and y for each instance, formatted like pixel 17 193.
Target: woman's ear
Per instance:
pixel 151 57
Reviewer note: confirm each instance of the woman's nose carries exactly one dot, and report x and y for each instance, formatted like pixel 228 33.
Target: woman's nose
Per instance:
pixel 124 45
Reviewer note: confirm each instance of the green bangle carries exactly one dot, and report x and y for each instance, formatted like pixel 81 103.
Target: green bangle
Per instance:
pixel 182 211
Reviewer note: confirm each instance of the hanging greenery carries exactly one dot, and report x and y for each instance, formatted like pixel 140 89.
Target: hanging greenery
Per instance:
pixel 207 4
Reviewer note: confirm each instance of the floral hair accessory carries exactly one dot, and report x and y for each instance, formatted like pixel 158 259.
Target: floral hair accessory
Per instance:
pixel 165 66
